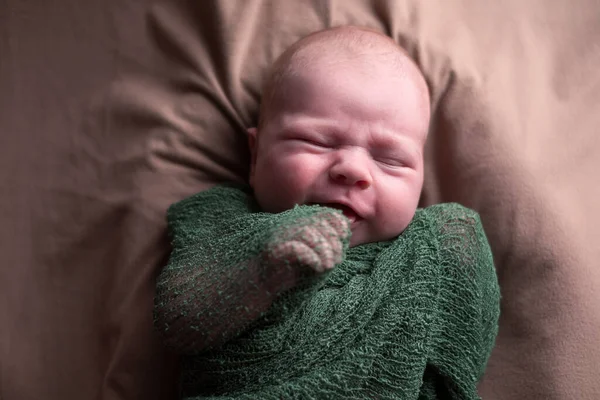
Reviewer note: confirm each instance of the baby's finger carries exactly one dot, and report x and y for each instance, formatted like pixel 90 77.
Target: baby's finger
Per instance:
pixel 295 252
pixel 318 238
pixel 330 247
pixel 338 222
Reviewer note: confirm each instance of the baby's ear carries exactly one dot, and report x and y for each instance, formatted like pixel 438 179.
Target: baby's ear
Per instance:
pixel 252 145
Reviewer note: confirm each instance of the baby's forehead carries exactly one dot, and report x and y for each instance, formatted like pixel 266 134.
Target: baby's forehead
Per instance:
pixel 341 50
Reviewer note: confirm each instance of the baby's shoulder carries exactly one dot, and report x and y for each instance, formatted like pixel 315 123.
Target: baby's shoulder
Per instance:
pixel 446 218
pixel 457 230
pixel 448 211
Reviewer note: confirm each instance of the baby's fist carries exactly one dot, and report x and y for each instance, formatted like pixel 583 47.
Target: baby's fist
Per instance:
pixel 316 242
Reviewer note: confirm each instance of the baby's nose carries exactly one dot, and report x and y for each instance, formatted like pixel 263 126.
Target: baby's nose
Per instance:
pixel 352 169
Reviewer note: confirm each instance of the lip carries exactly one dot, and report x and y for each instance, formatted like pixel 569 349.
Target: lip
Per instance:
pixel 349 211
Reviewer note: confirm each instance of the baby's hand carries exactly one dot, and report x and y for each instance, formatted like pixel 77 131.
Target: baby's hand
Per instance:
pixel 315 242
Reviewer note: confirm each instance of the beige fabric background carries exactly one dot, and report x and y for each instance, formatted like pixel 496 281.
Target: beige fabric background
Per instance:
pixel 111 110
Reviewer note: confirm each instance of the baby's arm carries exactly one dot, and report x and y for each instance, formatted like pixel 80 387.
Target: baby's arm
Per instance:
pixel 469 308
pixel 228 263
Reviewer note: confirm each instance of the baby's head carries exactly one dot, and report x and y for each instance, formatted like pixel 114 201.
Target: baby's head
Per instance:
pixel 343 123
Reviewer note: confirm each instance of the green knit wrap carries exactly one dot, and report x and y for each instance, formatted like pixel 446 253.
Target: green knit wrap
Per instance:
pixel 412 318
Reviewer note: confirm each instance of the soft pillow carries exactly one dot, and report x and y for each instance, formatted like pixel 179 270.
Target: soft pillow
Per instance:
pixel 90 173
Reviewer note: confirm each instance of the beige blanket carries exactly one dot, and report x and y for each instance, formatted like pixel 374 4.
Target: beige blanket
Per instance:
pixel 111 110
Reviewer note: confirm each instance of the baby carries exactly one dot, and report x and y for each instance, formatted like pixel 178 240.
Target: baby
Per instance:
pixel 410 309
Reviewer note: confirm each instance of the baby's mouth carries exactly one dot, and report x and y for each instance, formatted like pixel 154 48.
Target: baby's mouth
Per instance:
pixel 346 210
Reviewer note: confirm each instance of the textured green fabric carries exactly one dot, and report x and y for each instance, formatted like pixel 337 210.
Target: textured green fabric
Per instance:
pixel 413 318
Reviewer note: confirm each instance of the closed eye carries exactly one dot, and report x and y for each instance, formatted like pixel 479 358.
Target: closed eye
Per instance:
pixel 312 142
pixel 390 162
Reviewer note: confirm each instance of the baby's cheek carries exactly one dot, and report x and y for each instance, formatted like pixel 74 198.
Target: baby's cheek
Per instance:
pixel 289 182
pixel 301 171
pixel 396 210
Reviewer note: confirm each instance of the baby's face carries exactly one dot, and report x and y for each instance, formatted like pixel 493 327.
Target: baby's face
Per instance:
pixel 347 137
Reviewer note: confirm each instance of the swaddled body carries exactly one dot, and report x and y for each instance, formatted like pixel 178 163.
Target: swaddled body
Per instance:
pixel 414 316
